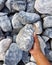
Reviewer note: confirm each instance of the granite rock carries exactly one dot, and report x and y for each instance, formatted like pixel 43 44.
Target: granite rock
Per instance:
pixel 47 22
pixel 26 17
pixel 5 23
pixel 48 32
pixel 43 6
pixel 13 55
pixel 16 5
pixel 24 38
pixel 38 27
pixel 30 6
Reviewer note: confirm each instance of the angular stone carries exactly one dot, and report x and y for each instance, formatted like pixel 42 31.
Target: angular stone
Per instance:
pixel 30 6
pixel 17 25
pixel 47 22
pixel 14 38
pixel 26 17
pixel 5 23
pixel 42 44
pixel 16 5
pixel 25 57
pixel 45 38
pixel 24 38
pixel 2 2
pixel 48 32
pixel 38 27
pixel 4 45
pixel 31 63
pixel 51 43
pixel 13 55
pixel 43 6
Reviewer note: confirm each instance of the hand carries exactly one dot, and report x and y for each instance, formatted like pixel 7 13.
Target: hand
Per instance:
pixel 36 47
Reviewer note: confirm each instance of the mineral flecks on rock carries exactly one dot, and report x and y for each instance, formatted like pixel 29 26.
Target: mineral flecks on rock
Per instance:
pixel 4 45
pixel 42 44
pixel 25 39
pixel 25 57
pixel 30 6
pixel 16 5
pixel 48 32
pixel 13 55
pixel 5 23
pixel 26 17
pixel 43 6
pixel 16 23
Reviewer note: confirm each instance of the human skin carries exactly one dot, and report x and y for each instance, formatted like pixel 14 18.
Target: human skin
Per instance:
pixel 37 53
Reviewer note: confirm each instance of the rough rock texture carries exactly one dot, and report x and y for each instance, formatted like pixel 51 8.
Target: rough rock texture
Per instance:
pixel 47 22
pixel 2 4
pixel 5 23
pixel 31 63
pixel 13 55
pixel 42 44
pixel 43 6
pixel 30 5
pixel 25 39
pixel 48 32
pixel 25 57
pixel 45 38
pixel 38 27
pixel 17 25
pixel 26 17
pixel 4 45
pixel 17 5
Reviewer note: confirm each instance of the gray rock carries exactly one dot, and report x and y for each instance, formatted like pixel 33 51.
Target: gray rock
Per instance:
pixel 13 55
pixel 50 54
pixel 43 6
pixel 32 59
pixel 30 6
pixel 14 38
pixel 51 43
pixel 5 23
pixel 31 63
pixel 17 5
pixel 42 44
pixel 38 27
pixel 26 17
pixel 1 35
pixel 17 25
pixel 25 57
pixel 47 22
pixel 2 2
pixel 24 38
pixel 4 45
pixel 45 38
pixel 48 32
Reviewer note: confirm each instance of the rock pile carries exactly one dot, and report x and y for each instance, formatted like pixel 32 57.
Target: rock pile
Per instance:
pixel 19 20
